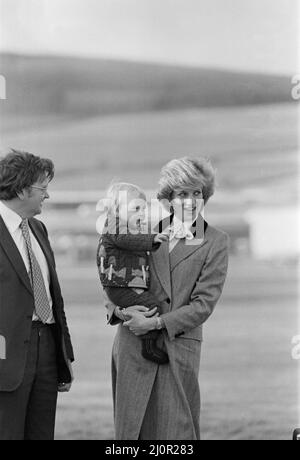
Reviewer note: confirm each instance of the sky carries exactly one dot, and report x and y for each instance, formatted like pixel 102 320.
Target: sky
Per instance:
pixel 247 35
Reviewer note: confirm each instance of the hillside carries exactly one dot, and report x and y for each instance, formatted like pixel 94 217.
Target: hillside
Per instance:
pixel 252 147
pixel 73 87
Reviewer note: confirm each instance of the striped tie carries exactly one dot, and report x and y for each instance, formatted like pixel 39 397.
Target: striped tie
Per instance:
pixel 42 306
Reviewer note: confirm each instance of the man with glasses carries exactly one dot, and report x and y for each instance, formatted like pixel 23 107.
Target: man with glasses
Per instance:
pixel 39 352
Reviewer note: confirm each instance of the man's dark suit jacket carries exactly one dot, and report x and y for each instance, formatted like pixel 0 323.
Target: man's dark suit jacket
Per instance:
pixel 17 306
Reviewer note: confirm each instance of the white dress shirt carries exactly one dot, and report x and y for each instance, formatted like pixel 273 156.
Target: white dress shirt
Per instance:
pixel 13 221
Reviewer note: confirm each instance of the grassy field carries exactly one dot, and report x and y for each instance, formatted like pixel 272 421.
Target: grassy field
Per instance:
pixel 248 378
pixel 252 147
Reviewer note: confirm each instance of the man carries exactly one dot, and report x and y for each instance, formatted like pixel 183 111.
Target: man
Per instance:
pixel 39 352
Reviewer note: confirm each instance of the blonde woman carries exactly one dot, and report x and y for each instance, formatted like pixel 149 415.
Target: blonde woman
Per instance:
pixel 155 402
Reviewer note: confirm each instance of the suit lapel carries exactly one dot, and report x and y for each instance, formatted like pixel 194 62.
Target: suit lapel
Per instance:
pixel 40 237
pixel 43 242
pixel 185 249
pixel 14 255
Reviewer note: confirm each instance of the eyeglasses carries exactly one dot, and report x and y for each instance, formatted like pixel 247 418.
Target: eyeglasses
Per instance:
pixel 43 189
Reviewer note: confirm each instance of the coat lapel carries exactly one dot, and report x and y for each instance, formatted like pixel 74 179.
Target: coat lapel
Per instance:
pixel 164 262
pixel 14 255
pixel 185 249
pixel 161 258
pixel 161 262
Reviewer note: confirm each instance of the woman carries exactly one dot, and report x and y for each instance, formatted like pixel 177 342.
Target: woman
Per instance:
pixel 155 402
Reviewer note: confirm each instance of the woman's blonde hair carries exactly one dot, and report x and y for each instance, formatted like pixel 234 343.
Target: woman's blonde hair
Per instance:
pixel 187 173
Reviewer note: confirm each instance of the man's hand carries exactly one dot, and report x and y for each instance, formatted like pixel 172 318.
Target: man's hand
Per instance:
pixel 66 387
pixel 139 324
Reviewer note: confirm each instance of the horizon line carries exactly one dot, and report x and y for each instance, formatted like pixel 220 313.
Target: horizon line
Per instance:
pixel 137 61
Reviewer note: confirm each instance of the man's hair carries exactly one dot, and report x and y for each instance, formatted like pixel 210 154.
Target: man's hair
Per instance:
pixel 20 170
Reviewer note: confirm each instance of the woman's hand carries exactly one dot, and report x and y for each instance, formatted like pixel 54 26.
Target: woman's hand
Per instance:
pixel 140 323
pixel 140 309
pixel 123 313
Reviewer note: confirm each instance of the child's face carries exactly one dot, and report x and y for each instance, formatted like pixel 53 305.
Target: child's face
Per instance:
pixel 132 211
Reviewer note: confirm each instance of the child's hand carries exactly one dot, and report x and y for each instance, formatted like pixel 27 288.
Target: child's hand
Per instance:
pixel 161 238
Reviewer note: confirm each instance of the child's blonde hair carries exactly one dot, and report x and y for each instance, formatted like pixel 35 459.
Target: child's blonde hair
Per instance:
pixel 119 189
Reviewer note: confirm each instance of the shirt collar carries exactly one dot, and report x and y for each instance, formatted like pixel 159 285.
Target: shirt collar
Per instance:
pixel 177 223
pixel 181 230
pixel 11 219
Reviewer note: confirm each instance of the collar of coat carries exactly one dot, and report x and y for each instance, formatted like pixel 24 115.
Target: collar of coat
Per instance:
pixel 165 262
pixel 198 228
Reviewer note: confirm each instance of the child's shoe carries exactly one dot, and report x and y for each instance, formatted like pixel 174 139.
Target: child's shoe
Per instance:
pixel 151 352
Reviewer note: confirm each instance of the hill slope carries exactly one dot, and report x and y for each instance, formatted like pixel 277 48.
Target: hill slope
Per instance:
pixel 46 86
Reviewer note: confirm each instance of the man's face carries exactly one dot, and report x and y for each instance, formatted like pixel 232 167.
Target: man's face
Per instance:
pixel 34 197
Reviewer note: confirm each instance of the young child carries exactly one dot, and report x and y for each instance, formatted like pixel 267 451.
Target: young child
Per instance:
pixel 123 258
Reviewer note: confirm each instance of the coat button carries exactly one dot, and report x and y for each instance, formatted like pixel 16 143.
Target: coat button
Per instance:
pixel 168 301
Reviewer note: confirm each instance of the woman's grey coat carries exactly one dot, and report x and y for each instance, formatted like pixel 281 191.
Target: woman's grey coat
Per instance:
pixel 163 402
